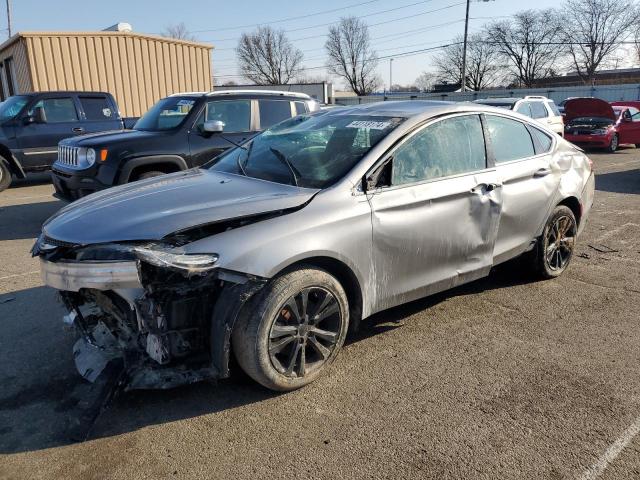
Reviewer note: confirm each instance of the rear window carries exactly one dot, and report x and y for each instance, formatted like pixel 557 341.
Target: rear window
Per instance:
pixel 273 111
pixel 554 108
pixel 97 108
pixel 538 110
pixel 510 139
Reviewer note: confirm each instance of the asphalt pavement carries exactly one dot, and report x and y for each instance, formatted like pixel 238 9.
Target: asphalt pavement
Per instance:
pixel 502 378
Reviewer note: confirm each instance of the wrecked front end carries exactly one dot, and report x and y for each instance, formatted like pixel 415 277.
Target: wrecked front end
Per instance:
pixel 164 315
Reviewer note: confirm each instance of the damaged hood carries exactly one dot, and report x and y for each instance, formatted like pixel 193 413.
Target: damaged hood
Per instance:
pixel 588 107
pixel 154 208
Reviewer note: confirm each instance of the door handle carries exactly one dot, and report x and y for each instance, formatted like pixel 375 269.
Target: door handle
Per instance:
pixel 543 172
pixel 78 129
pixel 483 188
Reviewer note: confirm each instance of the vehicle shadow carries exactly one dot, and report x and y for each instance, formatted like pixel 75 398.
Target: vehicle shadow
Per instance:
pixel 627 181
pixel 25 220
pixel 45 394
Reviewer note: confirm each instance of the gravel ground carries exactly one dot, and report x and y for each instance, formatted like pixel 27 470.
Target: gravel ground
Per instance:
pixel 502 378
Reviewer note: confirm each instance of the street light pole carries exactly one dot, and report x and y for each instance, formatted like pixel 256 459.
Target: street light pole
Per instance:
pixel 390 74
pixel 464 50
pixel 9 17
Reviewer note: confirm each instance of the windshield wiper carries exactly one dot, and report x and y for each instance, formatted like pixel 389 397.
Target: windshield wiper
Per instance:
pixel 281 156
pixel 239 160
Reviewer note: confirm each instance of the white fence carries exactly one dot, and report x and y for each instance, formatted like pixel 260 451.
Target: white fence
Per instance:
pixel 609 93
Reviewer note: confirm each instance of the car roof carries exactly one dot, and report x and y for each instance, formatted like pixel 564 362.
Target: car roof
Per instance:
pixel 245 93
pixel 499 100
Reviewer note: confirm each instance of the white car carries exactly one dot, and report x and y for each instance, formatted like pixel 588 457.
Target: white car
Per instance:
pixel 541 109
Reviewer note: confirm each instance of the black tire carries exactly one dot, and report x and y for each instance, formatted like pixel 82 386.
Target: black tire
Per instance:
pixel 637 145
pixel 615 143
pixel 5 174
pixel 549 259
pixel 274 333
pixel 151 174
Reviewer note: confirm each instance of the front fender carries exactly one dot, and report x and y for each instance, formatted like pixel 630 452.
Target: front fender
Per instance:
pixel 133 163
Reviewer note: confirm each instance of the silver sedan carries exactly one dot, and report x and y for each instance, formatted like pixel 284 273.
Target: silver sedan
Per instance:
pixel 281 246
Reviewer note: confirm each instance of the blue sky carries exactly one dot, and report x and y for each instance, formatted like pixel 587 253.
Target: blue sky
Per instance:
pixel 412 25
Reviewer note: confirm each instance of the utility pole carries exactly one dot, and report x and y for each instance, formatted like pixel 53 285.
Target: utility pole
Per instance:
pixel 463 80
pixel 9 17
pixel 390 74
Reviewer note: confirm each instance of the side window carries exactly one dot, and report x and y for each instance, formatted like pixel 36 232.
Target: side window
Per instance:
pixel 538 110
pixel 273 111
pixel 236 114
pixel 448 147
pixel 635 114
pixel 524 108
pixel 541 140
pixel 510 139
pixel 97 108
pixel 300 107
pixel 57 110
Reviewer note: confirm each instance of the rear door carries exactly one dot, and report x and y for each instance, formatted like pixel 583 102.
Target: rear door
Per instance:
pixel 98 113
pixel 435 216
pixel 529 179
pixel 39 141
pixel 275 110
pixel 240 125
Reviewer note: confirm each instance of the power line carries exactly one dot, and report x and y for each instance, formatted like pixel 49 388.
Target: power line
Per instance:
pixel 286 19
pixel 371 25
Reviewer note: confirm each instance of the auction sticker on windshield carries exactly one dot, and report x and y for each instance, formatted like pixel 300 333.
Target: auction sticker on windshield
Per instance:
pixel 369 124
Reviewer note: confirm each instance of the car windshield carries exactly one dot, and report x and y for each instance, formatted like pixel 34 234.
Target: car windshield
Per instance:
pixel 312 151
pixel 168 113
pixel 12 106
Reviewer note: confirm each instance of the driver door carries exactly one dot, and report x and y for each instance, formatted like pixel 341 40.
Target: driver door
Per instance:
pixel 239 123
pixel 435 212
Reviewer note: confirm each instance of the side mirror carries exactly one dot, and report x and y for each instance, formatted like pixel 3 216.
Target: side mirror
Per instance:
pixel 213 126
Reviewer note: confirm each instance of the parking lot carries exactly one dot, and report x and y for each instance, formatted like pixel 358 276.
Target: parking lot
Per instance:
pixel 502 378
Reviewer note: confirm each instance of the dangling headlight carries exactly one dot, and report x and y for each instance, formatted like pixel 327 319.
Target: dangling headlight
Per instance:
pixel 167 258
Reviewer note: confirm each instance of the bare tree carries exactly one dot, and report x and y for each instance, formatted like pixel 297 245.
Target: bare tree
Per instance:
pixel 594 30
pixel 425 81
pixel 482 63
pixel 266 56
pixel 351 56
pixel 529 44
pixel 179 31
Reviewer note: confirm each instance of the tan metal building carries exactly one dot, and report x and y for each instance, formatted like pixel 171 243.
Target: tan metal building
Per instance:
pixel 136 69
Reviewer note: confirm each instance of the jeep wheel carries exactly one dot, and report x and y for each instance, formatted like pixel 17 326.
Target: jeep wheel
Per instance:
pixel 293 330
pixel 5 174
pixel 554 250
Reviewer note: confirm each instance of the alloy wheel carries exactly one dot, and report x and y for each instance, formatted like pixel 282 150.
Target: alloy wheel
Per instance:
pixel 305 332
pixel 560 243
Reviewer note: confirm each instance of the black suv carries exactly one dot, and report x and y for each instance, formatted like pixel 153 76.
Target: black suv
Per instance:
pixel 31 125
pixel 175 134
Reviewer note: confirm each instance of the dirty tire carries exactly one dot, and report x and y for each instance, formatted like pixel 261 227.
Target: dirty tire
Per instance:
pixel 281 344
pixel 551 257
pixel 5 174
pixel 151 174
pixel 613 146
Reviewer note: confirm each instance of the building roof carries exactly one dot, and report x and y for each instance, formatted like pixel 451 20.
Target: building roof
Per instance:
pixel 102 33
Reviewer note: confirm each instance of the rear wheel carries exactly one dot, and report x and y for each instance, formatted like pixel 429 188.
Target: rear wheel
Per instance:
pixel 554 250
pixel 287 336
pixel 151 174
pixel 613 146
pixel 5 174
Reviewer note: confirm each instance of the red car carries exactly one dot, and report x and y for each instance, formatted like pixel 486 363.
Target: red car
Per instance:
pixel 591 122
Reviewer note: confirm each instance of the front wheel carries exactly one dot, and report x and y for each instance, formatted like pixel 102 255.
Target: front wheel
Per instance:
pixel 613 146
pixel 5 174
pixel 293 330
pixel 151 174
pixel 554 250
